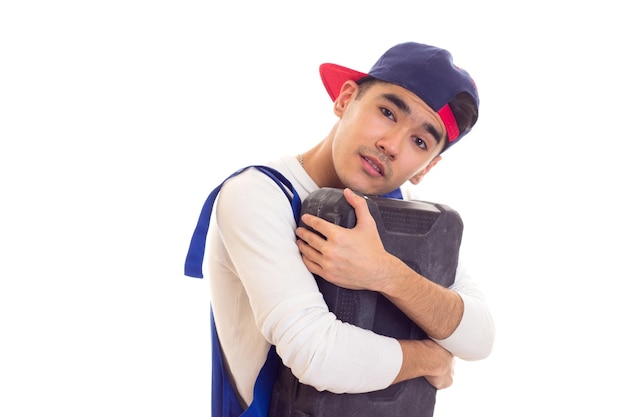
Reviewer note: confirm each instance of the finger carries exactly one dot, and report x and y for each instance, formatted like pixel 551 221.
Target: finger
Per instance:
pixel 303 243
pixel 309 255
pixel 359 203
pixel 309 251
pixel 311 237
pixel 321 226
pixel 312 266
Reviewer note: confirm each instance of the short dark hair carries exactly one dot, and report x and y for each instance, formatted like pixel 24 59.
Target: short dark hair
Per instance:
pixel 364 84
pixel 465 110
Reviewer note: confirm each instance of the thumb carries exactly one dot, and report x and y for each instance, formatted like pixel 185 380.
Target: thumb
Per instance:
pixel 359 204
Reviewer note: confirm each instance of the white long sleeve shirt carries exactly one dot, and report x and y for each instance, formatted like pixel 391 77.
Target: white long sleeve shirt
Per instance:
pixel 262 294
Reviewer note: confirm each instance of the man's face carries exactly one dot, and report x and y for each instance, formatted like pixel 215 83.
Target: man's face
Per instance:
pixel 384 137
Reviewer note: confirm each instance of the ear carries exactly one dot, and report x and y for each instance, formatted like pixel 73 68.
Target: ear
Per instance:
pixel 420 175
pixel 346 94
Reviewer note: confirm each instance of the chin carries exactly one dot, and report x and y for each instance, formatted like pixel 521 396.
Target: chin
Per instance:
pixel 368 190
pixel 363 184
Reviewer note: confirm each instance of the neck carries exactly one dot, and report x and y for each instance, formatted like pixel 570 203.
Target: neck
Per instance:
pixel 318 163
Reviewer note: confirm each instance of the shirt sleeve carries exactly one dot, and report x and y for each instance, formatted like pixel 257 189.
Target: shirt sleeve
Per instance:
pixel 257 227
pixel 474 337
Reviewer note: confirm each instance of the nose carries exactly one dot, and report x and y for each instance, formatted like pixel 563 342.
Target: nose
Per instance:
pixel 389 145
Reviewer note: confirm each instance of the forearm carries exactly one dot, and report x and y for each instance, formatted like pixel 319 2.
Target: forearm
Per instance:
pixel 342 359
pixel 425 358
pixel 474 337
pixel 436 309
pixel 458 318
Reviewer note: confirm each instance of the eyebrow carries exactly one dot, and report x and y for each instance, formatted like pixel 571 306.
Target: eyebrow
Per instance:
pixel 401 104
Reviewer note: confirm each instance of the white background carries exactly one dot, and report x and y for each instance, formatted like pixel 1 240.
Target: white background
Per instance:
pixel 117 118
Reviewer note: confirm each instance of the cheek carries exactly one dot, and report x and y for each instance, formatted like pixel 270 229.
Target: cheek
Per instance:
pixel 416 176
pixel 344 142
pixel 406 167
pixel 342 157
pixel 361 125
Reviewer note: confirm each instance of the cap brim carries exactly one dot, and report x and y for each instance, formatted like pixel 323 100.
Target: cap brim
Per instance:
pixel 334 76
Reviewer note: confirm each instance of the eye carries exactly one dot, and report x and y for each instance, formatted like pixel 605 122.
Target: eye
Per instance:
pixel 387 113
pixel 421 143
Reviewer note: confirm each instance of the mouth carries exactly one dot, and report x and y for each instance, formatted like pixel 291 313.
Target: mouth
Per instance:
pixel 373 166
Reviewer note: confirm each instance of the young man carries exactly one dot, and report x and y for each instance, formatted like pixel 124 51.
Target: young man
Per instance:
pixel 393 124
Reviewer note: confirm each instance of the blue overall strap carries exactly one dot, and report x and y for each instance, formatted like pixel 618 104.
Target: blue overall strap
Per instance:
pixel 195 254
pixel 224 400
pixel 263 386
pixel 397 193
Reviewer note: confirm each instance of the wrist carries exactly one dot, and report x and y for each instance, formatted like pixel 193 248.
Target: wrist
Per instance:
pixel 421 358
pixel 394 276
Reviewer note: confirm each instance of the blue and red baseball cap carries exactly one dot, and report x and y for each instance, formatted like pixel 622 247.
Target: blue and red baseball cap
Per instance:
pixel 427 71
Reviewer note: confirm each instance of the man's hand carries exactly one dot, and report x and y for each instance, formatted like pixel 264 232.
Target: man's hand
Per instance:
pixel 445 379
pixel 426 358
pixel 356 259
pixel 350 258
